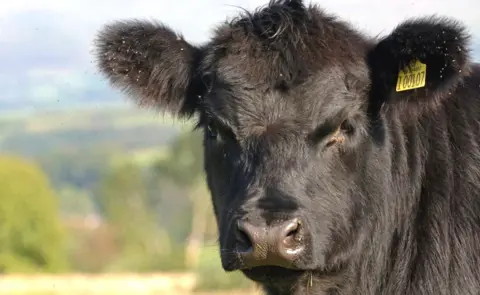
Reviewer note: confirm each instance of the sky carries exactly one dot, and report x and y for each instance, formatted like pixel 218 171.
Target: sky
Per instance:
pixel 46 45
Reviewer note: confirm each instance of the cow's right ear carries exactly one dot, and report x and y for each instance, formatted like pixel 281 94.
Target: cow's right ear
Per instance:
pixel 422 60
pixel 151 64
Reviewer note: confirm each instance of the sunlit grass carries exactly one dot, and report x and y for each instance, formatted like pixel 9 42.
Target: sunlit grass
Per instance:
pixel 108 284
pixel 211 276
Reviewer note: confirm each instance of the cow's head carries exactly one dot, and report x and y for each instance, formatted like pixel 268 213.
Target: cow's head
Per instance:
pixel 290 102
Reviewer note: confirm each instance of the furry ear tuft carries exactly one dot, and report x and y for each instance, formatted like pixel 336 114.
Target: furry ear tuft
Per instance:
pixel 440 43
pixel 150 63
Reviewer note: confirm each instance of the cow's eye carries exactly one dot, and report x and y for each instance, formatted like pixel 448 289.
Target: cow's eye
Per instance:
pixel 328 135
pixel 212 132
pixel 339 136
pixel 215 132
pixel 218 132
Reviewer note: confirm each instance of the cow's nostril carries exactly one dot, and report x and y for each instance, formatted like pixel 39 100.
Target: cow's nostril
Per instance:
pixel 279 244
pixel 292 237
pixel 244 240
pixel 292 228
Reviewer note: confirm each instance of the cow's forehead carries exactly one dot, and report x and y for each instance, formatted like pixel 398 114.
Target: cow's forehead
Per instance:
pixel 278 44
pixel 295 74
pixel 250 107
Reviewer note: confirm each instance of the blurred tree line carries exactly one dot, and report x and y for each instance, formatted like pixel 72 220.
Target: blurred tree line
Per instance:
pixel 85 211
pixel 31 236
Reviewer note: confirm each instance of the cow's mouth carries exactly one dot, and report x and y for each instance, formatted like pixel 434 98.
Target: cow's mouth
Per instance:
pixel 268 274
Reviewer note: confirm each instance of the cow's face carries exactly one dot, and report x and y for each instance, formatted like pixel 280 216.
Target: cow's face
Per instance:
pixel 289 99
pixel 282 163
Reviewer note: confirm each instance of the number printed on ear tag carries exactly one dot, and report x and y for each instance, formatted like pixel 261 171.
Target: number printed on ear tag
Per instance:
pixel 412 77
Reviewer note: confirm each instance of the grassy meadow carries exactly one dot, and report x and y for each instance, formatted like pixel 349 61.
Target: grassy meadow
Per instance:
pixel 67 143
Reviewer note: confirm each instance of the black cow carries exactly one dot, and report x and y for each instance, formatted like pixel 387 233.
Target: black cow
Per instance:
pixel 337 163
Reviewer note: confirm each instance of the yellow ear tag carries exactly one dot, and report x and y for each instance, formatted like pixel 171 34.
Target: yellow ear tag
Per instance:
pixel 412 77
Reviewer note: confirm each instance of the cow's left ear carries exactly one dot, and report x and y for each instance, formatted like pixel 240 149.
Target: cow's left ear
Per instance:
pixel 432 52
pixel 152 64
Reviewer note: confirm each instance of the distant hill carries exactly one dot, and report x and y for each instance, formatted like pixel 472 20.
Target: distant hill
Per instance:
pixel 111 127
pixel 43 94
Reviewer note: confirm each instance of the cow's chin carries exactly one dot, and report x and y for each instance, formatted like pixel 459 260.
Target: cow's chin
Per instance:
pixel 274 274
pixel 278 280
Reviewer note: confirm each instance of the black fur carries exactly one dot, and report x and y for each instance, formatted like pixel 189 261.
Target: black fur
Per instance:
pixel 301 119
pixel 440 43
pixel 150 62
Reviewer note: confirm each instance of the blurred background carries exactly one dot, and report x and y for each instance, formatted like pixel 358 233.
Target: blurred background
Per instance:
pixel 97 196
